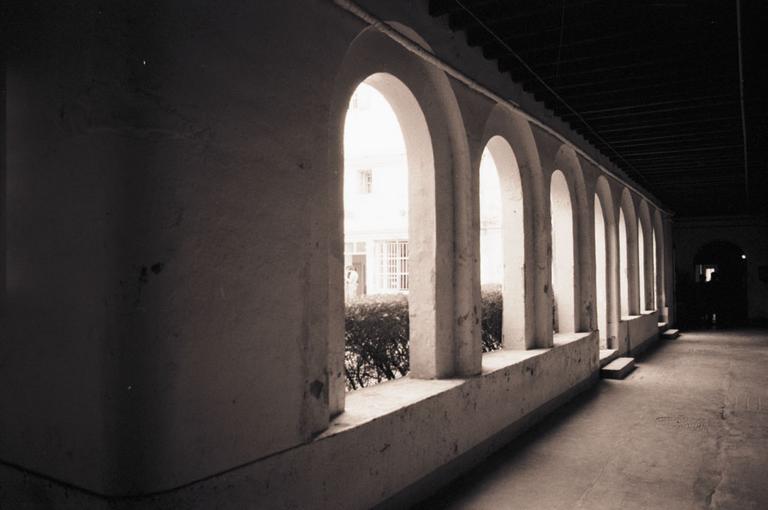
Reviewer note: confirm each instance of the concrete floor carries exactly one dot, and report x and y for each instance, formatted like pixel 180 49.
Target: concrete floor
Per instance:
pixel 687 429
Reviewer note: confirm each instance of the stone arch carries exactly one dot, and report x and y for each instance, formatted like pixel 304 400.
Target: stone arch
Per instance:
pixel 441 253
pixel 527 330
pixel 513 244
pixel 646 261
pixel 567 161
pixel 628 259
pixel 658 236
pixel 563 261
pixel 607 306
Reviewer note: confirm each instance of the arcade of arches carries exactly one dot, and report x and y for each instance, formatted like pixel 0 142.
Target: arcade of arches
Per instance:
pixel 194 313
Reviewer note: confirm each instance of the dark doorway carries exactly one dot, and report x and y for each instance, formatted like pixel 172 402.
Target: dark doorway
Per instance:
pixel 358 263
pixel 720 284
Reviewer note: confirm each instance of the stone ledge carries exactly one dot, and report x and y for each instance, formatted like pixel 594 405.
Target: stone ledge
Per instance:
pixel 607 355
pixel 618 368
pixel 368 404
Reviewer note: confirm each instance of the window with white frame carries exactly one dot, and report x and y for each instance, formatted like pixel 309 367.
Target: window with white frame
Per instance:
pixel 354 248
pixel 392 258
pixel 365 181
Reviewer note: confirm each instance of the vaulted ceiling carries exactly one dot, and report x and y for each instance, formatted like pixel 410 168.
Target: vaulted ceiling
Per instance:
pixel 654 85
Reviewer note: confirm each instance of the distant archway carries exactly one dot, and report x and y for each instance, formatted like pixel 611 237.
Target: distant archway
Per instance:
pixel 508 137
pixel 623 266
pixel 502 239
pixel 607 306
pixel 641 267
pixel 654 248
pixel 628 256
pixel 720 278
pixel 601 263
pixel 646 258
pixel 658 237
pixel 562 253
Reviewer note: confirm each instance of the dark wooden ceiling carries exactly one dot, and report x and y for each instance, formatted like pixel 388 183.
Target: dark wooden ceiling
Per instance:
pixel 653 85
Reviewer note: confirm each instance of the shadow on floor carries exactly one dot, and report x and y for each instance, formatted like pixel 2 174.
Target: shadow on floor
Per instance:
pixel 518 447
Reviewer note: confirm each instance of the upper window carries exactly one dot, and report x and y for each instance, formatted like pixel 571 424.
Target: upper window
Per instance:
pixel 365 181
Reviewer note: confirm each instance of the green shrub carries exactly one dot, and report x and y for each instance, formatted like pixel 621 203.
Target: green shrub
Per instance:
pixel 376 336
pixel 376 340
pixel 492 307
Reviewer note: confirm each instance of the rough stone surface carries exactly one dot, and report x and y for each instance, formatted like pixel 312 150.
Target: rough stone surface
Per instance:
pixel 390 436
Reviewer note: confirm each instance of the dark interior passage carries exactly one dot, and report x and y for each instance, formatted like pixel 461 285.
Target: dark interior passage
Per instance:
pixel 714 292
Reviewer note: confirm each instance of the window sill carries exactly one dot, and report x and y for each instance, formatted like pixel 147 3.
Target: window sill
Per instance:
pixel 369 404
pixel 566 338
pixel 644 313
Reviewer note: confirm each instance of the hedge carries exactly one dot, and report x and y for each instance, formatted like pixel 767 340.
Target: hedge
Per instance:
pixel 492 307
pixel 376 336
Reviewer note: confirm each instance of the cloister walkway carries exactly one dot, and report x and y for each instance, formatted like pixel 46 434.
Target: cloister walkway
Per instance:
pixel 687 429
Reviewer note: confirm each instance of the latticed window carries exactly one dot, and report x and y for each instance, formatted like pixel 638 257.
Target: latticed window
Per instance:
pixel 392 257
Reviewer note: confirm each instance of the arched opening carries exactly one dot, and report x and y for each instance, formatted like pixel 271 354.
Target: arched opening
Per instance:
pixel 491 248
pixel 387 160
pixel 562 254
pixel 654 283
pixel 641 266
pixel 658 237
pixel 720 272
pixel 601 265
pixel 623 266
pixel 646 258
pixel 441 219
pixel 501 247
pixel 375 198
pixel 606 265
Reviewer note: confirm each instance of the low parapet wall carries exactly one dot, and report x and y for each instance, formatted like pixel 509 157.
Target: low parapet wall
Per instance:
pixel 637 332
pixel 388 442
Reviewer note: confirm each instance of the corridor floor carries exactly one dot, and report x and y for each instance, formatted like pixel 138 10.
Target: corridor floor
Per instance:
pixel 687 429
